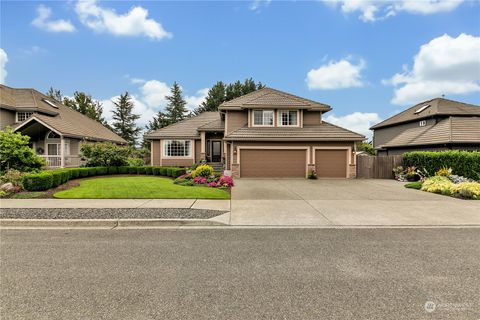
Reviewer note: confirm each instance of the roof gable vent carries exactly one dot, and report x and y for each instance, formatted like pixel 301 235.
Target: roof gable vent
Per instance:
pixel 50 103
pixel 422 109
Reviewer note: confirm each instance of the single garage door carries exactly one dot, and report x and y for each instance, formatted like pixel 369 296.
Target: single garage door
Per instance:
pixel 331 163
pixel 273 163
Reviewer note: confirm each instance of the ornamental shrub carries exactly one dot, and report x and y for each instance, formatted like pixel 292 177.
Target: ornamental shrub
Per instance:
pixel 225 181
pixel 141 170
pixel 439 184
pixel 83 172
pixel 462 163
pixel 469 190
pixel 203 170
pixel 92 171
pixel 156 171
pixel 56 178
pixel 65 175
pixel 177 172
pixel 16 154
pixel 105 154
pixel 132 170
pixel 38 181
pixel 169 172
pixel 74 173
pixel 123 170
pixel 148 170
pixel 101 171
pixel 113 170
pixel 13 176
pixel 163 171
pixel 135 162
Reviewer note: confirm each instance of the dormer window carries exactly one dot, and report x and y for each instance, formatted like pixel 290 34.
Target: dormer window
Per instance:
pixel 288 118
pixel 50 103
pixel 263 118
pixel 22 116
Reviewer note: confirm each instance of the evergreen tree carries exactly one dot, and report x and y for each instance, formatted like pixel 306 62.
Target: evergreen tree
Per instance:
pixel 215 97
pixel 159 121
pixel 176 109
pixel 124 120
pixel 233 90
pixel 55 94
pixel 85 104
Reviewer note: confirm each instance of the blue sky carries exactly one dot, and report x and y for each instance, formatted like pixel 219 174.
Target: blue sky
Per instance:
pixel 366 59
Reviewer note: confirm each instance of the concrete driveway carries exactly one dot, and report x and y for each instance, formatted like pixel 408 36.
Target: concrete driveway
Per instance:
pixel 344 203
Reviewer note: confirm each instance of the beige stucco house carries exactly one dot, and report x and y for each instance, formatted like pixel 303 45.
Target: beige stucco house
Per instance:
pixel 56 132
pixel 266 133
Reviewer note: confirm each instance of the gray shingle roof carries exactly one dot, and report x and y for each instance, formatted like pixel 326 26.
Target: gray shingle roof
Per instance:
pixel 268 97
pixel 187 128
pixel 448 130
pixel 215 125
pixel 61 118
pixel 324 132
pixel 437 106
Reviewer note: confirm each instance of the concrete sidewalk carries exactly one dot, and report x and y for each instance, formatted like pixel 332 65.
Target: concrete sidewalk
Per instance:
pixel 223 205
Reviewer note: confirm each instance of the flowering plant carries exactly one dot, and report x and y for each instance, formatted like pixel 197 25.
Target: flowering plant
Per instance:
pixel 200 180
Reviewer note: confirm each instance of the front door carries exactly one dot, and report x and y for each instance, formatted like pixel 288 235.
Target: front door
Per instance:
pixel 216 151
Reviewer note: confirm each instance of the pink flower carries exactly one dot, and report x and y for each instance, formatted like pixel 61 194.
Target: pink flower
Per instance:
pixel 212 184
pixel 200 180
pixel 225 181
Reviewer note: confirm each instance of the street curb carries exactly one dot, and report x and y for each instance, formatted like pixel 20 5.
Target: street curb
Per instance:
pixel 104 223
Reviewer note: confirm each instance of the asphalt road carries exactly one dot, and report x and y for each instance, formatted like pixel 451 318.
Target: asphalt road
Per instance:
pixel 240 274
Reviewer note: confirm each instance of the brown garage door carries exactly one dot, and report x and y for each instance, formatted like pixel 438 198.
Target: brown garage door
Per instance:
pixel 331 163
pixel 273 163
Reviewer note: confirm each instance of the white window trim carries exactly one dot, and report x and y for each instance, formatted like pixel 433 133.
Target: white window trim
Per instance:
pixel 66 150
pixel 191 150
pixel 16 115
pixel 423 123
pixel 263 125
pixel 288 125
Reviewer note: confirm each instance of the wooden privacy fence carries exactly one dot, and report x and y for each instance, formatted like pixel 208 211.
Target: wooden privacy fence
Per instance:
pixel 375 167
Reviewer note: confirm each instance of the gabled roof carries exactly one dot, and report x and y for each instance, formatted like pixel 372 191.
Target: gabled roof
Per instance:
pixel 436 107
pixel 215 125
pixel 323 132
pixel 268 97
pixel 446 131
pixel 55 115
pixel 187 128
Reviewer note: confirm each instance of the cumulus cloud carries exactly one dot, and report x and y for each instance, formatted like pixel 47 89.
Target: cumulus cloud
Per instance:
pixel 336 75
pixel 42 21
pixel 445 65
pixel 3 63
pixel 359 122
pixel 133 23
pixel 195 100
pixel 154 92
pixel 256 5
pixel 372 10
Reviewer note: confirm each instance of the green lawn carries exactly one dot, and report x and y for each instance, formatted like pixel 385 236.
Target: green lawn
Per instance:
pixel 138 188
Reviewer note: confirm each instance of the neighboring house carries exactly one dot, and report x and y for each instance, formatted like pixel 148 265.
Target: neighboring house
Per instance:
pixel 266 133
pixel 56 132
pixel 437 124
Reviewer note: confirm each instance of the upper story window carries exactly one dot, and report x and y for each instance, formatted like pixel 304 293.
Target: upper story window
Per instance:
pixel 423 123
pixel 22 116
pixel 288 117
pixel 263 118
pixel 52 135
pixel 177 148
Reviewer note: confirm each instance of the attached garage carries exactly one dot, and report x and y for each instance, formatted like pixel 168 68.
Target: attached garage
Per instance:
pixel 280 163
pixel 331 163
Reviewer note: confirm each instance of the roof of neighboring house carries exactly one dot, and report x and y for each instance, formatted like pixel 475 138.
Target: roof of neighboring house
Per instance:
pixel 268 97
pixel 187 128
pixel 448 130
pixel 436 107
pixel 324 132
pixel 55 115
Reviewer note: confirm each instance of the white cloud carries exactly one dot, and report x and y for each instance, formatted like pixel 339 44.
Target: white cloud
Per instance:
pixel 154 92
pixel 256 5
pixel 133 23
pixel 336 75
pixel 445 65
pixel 146 113
pixel 42 22
pixel 359 122
pixel 195 100
pixel 3 63
pixel 372 10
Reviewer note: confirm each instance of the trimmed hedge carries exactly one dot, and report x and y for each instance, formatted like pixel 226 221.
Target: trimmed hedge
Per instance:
pixel 53 178
pixel 463 163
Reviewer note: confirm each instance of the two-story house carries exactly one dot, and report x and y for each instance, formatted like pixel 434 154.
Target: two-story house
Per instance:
pixel 56 132
pixel 433 125
pixel 266 133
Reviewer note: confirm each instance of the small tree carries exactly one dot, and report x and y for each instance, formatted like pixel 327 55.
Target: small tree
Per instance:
pixel 55 94
pixel 176 109
pixel 105 154
pixel 159 121
pixel 85 104
pixel 367 147
pixel 124 120
pixel 15 152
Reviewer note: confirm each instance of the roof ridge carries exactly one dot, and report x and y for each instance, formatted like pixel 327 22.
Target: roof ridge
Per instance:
pixel 298 97
pixel 323 121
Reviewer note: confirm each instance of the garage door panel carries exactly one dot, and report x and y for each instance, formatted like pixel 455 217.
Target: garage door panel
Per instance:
pixel 331 163
pixel 273 163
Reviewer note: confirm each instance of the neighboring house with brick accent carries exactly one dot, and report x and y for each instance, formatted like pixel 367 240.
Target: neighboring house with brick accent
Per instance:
pixel 266 133
pixel 433 125
pixel 56 132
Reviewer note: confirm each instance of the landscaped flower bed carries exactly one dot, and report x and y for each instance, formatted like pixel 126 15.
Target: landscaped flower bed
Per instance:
pixel 205 176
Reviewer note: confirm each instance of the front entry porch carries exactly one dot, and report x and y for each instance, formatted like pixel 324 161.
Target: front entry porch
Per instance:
pixel 213 149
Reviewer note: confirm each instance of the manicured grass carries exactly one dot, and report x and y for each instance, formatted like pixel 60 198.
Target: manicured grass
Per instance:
pixel 414 185
pixel 28 195
pixel 138 187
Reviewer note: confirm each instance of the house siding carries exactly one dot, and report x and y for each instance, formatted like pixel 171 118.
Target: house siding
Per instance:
pixel 7 118
pixel 155 150
pixel 198 150
pixel 235 120
pixel 384 135
pixel 312 118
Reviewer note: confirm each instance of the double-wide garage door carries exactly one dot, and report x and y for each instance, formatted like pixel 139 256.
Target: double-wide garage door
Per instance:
pixel 273 163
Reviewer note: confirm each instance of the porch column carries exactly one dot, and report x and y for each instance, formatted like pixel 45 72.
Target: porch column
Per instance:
pixel 202 145
pixel 62 152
